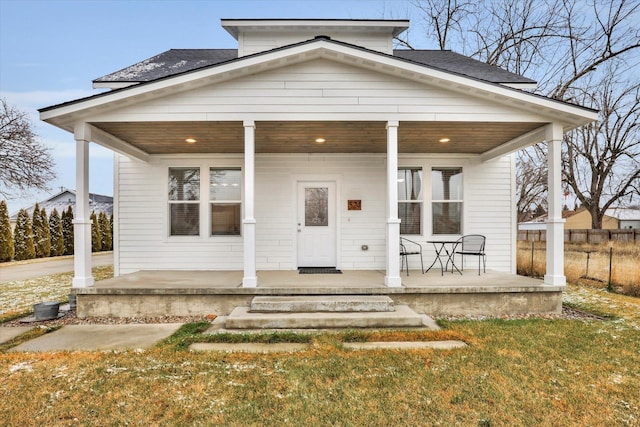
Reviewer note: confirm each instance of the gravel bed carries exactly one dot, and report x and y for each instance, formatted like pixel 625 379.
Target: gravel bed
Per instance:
pixel 70 318
pixel 567 313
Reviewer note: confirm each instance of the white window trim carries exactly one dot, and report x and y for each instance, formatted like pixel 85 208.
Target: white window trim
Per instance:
pixel 224 165
pixel 204 202
pixel 432 201
pixel 420 201
pixel 168 203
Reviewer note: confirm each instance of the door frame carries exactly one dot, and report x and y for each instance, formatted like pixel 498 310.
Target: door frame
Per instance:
pixel 296 179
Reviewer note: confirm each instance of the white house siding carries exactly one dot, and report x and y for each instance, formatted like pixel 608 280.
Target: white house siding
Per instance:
pixel 142 211
pixel 250 43
pixel 318 89
pixel 489 210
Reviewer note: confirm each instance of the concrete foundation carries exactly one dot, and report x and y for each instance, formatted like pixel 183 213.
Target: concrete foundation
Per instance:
pixel 185 293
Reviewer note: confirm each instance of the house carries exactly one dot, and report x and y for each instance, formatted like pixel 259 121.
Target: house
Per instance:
pixel 65 198
pixel 627 218
pixel 315 143
pixel 579 219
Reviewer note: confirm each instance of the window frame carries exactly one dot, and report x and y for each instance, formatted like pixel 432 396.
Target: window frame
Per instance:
pixel 419 201
pixel 170 202
pixel 204 201
pixel 433 168
pixel 211 202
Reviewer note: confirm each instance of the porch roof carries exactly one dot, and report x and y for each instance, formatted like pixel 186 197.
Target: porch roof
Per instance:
pixel 299 137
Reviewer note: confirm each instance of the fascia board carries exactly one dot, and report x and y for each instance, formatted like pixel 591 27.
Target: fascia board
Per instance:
pixel 237 26
pixel 112 85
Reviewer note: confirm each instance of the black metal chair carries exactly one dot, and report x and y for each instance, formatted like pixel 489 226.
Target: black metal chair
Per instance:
pixel 407 248
pixel 473 245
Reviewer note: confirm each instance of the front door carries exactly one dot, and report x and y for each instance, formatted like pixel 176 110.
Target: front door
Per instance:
pixel 316 224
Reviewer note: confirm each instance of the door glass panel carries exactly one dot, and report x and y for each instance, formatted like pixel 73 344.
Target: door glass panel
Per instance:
pixel 316 207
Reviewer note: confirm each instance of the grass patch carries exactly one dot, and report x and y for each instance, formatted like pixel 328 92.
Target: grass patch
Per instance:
pixel 621 308
pixel 18 297
pixel 516 372
pixel 406 335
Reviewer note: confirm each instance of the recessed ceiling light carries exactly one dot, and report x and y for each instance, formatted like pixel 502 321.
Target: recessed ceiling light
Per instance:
pixel 190 140
pixel 320 140
pixel 444 140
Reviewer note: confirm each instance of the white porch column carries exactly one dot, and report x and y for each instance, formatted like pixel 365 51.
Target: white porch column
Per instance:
pixel 392 277
pixel 81 221
pixel 250 279
pixel 555 224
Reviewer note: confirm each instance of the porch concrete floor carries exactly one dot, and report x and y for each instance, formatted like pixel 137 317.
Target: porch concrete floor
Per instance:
pixel 291 279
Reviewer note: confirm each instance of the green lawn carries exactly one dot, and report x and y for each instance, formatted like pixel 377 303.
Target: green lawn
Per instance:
pixel 514 372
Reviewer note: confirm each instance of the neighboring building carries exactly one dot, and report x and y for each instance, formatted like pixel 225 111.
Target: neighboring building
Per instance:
pixel 580 219
pixel 65 198
pixel 315 143
pixel 626 217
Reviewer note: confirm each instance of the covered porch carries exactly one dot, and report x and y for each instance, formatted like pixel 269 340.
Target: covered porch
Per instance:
pixel 189 293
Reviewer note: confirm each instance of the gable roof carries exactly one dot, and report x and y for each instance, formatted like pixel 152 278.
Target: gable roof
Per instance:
pixel 321 43
pixel 176 61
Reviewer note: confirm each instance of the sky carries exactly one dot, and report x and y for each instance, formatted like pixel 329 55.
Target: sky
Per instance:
pixel 51 51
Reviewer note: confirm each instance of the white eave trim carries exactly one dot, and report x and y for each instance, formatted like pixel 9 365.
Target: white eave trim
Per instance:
pixel 572 115
pixel 237 26
pixel 531 86
pixel 113 85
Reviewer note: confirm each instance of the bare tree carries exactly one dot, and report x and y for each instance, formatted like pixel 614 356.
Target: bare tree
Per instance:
pixel 515 34
pixel 602 160
pixel 578 51
pixel 611 36
pixel 25 163
pixel 531 181
pixel 444 17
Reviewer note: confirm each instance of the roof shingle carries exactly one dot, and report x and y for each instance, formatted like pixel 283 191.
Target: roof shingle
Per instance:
pixel 176 61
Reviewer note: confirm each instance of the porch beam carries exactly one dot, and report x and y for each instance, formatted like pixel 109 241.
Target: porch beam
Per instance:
pixel 392 277
pixel 81 222
pixel 518 143
pixel 250 279
pixel 119 146
pixel 555 224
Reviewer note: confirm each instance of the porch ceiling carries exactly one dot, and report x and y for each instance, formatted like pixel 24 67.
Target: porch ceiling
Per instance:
pixel 299 137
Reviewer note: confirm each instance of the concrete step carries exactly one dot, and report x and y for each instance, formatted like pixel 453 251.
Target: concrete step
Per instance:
pixel 402 317
pixel 321 303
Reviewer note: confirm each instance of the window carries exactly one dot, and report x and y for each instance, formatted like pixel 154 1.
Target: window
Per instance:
pixel 184 201
pixel 410 200
pixel 446 200
pixel 225 195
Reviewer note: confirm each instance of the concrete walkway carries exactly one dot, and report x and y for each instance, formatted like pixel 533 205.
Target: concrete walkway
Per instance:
pixel 46 266
pixel 7 334
pixel 99 337
pixel 142 336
